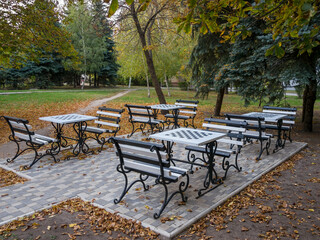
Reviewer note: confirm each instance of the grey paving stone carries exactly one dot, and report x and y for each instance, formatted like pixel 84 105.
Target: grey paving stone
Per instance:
pixel 96 178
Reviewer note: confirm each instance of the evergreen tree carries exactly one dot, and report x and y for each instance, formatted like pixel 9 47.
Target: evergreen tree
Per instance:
pixel 107 73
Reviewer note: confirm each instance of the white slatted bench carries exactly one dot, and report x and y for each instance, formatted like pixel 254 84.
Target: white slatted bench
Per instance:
pixel 148 160
pixel 108 122
pixel 287 123
pixel 256 129
pixel 187 113
pixel 21 132
pixel 235 134
pixel 143 116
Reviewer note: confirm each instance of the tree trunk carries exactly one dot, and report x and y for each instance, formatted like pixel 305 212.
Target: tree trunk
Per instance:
pixel 218 106
pixel 129 82
pixel 309 98
pixel 95 81
pixel 149 59
pixel 226 89
pixel 148 86
pixel 167 85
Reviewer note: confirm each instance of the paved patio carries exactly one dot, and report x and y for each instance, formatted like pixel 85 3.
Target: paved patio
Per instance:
pixel 95 178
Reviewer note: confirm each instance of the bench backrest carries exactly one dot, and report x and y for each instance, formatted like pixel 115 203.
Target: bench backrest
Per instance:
pixel 143 157
pixel 137 112
pixel 109 118
pixel 19 128
pixel 234 129
pixel 189 107
pixel 254 123
pixel 289 112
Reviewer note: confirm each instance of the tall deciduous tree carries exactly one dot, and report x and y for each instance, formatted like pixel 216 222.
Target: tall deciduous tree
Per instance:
pixel 30 30
pixel 144 24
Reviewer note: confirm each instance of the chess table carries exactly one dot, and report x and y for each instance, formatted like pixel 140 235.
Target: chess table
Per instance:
pixel 272 118
pixel 79 125
pixel 168 107
pixel 195 137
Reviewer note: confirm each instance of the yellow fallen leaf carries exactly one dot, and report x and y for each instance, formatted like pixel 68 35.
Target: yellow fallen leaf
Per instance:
pixel 72 225
pixel 311 210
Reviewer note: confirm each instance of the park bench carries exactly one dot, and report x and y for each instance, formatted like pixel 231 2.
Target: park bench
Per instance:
pixel 187 113
pixel 21 132
pixel 288 121
pixel 148 160
pixel 256 129
pixel 107 123
pixel 143 116
pixel 232 143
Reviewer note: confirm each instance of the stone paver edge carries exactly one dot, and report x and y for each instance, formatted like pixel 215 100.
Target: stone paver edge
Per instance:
pixel 196 218
pixel 164 234
pixel 21 174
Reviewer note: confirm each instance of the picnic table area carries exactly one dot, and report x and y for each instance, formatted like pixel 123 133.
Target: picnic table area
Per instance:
pixel 94 177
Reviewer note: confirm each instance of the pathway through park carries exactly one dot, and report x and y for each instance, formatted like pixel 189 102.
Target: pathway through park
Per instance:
pixel 10 147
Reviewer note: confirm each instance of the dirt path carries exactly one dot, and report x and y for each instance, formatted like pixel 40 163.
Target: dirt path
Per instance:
pixel 7 149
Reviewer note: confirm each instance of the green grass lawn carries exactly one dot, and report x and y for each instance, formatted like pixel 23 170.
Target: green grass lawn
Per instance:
pixel 39 97
pixel 43 97
pixel 231 101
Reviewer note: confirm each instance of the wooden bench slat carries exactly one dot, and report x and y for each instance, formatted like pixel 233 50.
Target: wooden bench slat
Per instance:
pixel 109 114
pixel 187 112
pixel 279 112
pixel 137 150
pixel 223 127
pixel 148 168
pixel 107 123
pixel 20 125
pixel 229 141
pixel 186 104
pixel 49 139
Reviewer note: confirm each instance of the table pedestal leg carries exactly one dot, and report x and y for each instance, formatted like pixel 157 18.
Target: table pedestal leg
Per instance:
pixel 280 143
pixel 211 176
pixel 175 114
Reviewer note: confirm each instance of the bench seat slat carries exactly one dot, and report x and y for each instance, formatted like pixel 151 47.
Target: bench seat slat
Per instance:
pixel 219 152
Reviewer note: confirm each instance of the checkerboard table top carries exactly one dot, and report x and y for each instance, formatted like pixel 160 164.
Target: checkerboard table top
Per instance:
pixel 166 106
pixel 268 117
pixel 188 136
pixel 68 118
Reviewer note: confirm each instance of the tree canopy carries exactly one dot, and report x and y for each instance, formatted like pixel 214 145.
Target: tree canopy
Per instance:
pixel 31 30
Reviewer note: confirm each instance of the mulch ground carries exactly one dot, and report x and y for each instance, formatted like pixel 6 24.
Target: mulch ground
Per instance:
pixel 282 204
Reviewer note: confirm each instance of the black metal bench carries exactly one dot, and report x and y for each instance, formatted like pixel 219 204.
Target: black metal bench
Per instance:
pixel 148 160
pixel 107 123
pixel 288 121
pixel 234 142
pixel 257 130
pixel 187 113
pixel 143 116
pixel 21 132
